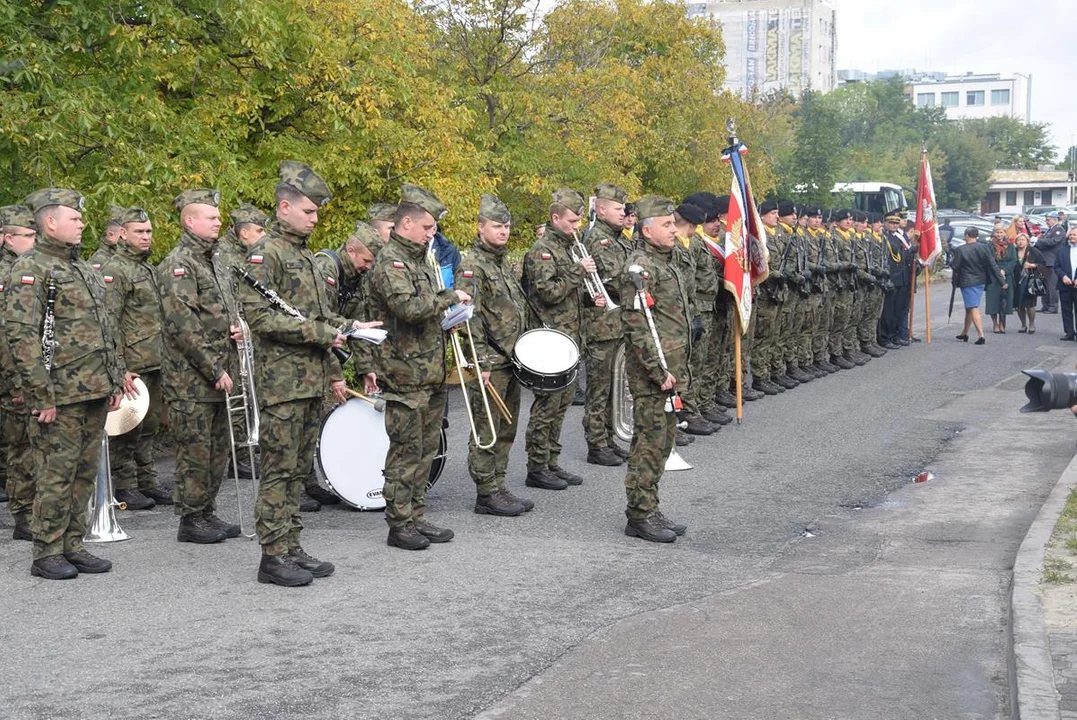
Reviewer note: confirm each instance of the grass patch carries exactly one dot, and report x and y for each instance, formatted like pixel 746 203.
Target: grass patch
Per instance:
pixel 1062 554
pixel 1056 571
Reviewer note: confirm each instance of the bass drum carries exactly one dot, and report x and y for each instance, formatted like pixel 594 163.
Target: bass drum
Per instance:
pixel 545 360
pixel 351 452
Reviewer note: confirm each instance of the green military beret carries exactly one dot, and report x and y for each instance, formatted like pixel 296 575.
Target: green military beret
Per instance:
pixel 609 191
pixel 55 196
pixel 368 236
pixel 569 198
pixel 415 195
pixel 247 214
pixel 115 214
pixel 650 206
pixel 200 196
pixel 303 178
pixel 491 208
pixel 381 211
pixel 17 216
pixel 134 215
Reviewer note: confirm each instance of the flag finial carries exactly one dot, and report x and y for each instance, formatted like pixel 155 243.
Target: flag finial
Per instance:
pixel 731 128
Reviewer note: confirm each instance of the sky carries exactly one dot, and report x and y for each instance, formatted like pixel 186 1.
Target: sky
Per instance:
pixel 981 36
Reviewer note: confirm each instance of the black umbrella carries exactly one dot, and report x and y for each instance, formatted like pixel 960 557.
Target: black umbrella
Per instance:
pixel 953 291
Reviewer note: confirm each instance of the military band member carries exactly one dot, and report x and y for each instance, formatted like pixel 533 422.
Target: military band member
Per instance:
pixel 293 369
pixel 18 230
pixel 57 326
pixel 651 381
pixel 601 327
pixel 199 366
pixel 248 228
pixel 405 291
pixel 500 318
pixel 134 306
pixel 110 239
pixel 555 285
pixel 381 218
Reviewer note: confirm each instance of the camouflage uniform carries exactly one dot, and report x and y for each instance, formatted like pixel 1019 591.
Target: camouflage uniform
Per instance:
pixel 653 427
pixel 875 262
pixel 134 306
pixel 198 350
pixel 105 251
pixel 841 325
pixel 554 283
pixel 85 372
pixel 769 298
pixel 602 327
pixel 500 317
pixel 821 255
pixel 293 365
pixel 410 363
pixel 791 335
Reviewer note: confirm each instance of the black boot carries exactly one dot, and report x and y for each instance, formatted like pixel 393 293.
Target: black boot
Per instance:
pixel 785 381
pixel 603 456
pixel 544 480
pixel 53 567
pixel 282 570
pixel 568 477
pixel 317 568
pixel 309 504
pixel 681 438
pixel 229 529
pixel 323 496
pixel 133 500
pixel 650 529
pixel 433 533
pixel 22 528
pixel 766 387
pixel 527 505
pixel 407 537
pixel 618 450
pixel 842 362
pixel 751 394
pixel 725 397
pixel 84 562
pixel 677 528
pixel 699 426
pixel 196 529
pixel 800 375
pixel 497 504
pixel 158 495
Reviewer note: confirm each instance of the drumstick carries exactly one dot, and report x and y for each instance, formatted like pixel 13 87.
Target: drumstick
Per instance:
pixel 499 402
pixel 378 403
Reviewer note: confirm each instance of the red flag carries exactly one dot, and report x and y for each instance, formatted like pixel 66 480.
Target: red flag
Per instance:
pixel 745 253
pixel 925 214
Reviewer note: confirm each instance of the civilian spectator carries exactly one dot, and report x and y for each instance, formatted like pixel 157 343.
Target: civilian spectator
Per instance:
pixel 1028 266
pixel 1067 293
pixel 974 266
pixel 1048 244
pixel 1017 225
pixel 998 295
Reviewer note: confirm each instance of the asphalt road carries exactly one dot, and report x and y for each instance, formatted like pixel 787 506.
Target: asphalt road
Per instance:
pixel 816 579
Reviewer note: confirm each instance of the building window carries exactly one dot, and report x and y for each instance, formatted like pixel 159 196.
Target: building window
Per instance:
pixel 950 99
pixel 925 100
pixel 1011 197
pixel 1030 197
pixel 974 97
pixel 1000 97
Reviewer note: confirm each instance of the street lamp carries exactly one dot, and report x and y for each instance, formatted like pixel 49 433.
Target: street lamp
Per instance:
pixel 1028 96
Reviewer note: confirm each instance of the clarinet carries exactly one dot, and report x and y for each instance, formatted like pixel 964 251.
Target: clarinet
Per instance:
pixel 48 327
pixel 278 302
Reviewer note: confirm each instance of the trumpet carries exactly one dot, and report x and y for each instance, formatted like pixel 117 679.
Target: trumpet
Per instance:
pixel 592 281
pixel 243 406
pixel 471 359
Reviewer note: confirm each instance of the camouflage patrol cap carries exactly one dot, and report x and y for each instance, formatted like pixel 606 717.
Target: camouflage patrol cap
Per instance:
pixel 650 206
pixel 609 191
pixel 115 214
pixel 303 178
pixel 569 198
pixel 368 236
pixel 491 208
pixel 415 195
pixel 385 212
pixel 247 214
pixel 199 196
pixel 55 196
pixel 134 215
pixel 17 216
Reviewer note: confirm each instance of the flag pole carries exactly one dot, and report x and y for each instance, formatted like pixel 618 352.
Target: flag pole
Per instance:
pixel 740 376
pixel 927 304
pixel 912 298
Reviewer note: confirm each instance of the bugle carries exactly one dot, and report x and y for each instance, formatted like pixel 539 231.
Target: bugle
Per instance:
pixel 591 281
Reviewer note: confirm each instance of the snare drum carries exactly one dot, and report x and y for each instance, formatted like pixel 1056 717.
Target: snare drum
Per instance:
pixel 545 360
pixel 351 452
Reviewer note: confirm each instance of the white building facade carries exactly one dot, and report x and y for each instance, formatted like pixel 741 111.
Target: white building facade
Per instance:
pixel 774 44
pixel 1011 191
pixel 976 96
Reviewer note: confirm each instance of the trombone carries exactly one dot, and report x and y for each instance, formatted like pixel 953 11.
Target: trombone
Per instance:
pixel 243 405
pixel 592 281
pixel 471 360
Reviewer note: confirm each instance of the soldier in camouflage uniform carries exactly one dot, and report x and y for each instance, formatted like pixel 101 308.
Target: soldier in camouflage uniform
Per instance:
pixel 198 366
pixel 293 367
pixel 865 320
pixel 795 335
pixel 70 392
pixel 602 327
pixel 767 306
pixel 876 267
pixel 500 318
pixel 554 283
pixel 405 290
pixel 248 228
pixel 628 225
pixel 112 237
pixel 841 328
pixel 381 217
pixel 651 379
pixel 134 307
pixel 820 251
pixel 18 230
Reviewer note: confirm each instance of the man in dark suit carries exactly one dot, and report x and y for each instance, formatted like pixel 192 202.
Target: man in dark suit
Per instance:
pixel 1065 271
pixel 1051 242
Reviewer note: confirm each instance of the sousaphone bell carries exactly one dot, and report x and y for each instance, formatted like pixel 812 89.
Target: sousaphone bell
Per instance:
pixel 101 524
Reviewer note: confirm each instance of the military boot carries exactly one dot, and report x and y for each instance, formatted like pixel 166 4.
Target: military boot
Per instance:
pixel 751 394
pixel 857 358
pixel 22 528
pixel 406 537
pixel 84 562
pixel 650 529
pixel 158 495
pixel 889 345
pixel 785 381
pixel 766 387
pixel 569 477
pixel 842 363
pixel 229 529
pixel 828 367
pixel 603 456
pixel 317 568
pixel 133 499
pixel 196 529
pixel 726 398
pixel 799 375
pixel 618 450
pixel 432 532
pixel 873 351
pixel 282 570
pixel 677 528
pixel 681 438
pixel 497 504
pixel 53 567
pixel 718 415
pixel 544 480
pixel 309 504
pixel 699 426
pixel 323 496
pixel 527 505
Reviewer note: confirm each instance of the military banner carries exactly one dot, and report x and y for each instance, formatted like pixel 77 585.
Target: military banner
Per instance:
pixel 925 214
pixel 745 255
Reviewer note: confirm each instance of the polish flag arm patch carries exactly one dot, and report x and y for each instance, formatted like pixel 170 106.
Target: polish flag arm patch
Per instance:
pixel 469 273
pixel 256 259
pixel 397 265
pixel 96 266
pixel 331 281
pixel 179 272
pixel 603 241
pixel 108 278
pixel 27 280
pixel 546 256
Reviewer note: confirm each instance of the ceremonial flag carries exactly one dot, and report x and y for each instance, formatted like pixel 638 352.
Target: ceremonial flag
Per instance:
pixel 925 214
pixel 745 253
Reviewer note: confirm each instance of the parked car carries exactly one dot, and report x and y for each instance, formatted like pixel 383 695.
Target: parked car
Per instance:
pixel 1041 209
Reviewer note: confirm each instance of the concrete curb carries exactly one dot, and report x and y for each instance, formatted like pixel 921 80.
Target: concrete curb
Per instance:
pixel 1033 687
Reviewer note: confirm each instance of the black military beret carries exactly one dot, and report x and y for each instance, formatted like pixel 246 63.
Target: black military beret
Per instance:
pixel 630 208
pixel 769 205
pixel 721 204
pixel 692 213
pixel 860 216
pixel 786 207
pixel 839 215
pixel 812 211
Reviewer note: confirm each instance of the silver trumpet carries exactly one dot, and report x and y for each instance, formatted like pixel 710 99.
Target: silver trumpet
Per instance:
pixel 101 525
pixel 592 281
pixel 243 406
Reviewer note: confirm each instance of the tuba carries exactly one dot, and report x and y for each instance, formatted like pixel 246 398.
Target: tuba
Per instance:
pixel 101 525
pixel 621 412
